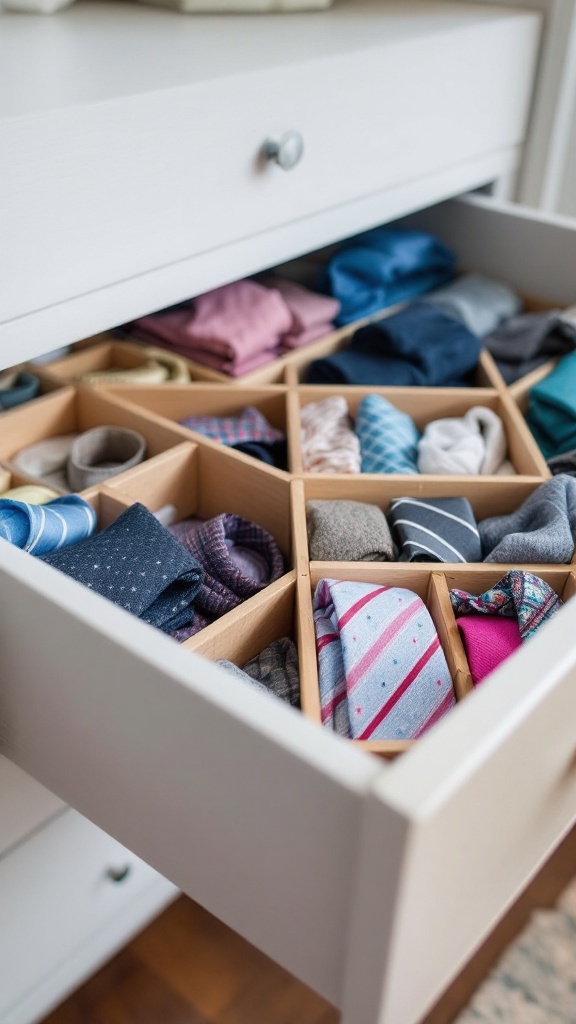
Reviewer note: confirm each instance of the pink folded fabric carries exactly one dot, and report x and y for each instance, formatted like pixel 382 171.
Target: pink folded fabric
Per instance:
pixel 488 640
pixel 230 328
pixel 312 314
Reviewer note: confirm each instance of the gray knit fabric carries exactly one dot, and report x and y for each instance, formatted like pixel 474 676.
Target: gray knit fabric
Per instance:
pixel 565 463
pixel 101 453
pixel 348 531
pixel 274 671
pixel 480 303
pixel 525 342
pixel 541 530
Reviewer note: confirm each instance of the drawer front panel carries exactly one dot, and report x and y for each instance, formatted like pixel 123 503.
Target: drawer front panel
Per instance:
pixel 187 179
pixel 56 891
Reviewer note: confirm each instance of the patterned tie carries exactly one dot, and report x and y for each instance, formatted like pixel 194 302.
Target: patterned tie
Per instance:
pixel 40 529
pixel 388 438
pixel 518 594
pixel 382 671
pixel 435 530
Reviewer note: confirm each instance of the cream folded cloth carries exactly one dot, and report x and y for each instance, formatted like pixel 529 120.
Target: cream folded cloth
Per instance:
pixel 160 367
pixel 474 444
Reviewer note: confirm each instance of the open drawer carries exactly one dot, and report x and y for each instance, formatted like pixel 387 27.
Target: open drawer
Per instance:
pixel 371 881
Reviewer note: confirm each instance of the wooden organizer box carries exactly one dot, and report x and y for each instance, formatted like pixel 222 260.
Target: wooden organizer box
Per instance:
pixel 425 405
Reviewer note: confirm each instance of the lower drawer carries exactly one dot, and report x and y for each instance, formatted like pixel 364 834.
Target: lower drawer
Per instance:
pixel 58 890
pixel 343 868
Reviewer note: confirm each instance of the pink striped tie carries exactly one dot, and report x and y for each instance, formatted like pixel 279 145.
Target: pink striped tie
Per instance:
pixel 383 674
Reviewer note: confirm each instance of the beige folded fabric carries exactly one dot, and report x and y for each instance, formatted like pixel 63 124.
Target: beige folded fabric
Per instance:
pixel 32 494
pixel 161 366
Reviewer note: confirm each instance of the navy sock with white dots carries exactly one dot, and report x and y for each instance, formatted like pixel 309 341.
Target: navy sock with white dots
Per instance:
pixel 136 563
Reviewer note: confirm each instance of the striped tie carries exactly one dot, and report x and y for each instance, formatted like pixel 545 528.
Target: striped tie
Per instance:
pixel 41 529
pixel 382 671
pixel 435 530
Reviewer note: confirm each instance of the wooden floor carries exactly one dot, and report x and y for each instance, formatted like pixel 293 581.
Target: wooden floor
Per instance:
pixel 188 968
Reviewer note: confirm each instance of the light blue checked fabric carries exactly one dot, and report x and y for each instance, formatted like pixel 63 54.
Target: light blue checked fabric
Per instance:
pixel 388 437
pixel 41 529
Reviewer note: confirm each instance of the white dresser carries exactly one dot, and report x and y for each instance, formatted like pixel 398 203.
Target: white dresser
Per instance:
pixel 132 177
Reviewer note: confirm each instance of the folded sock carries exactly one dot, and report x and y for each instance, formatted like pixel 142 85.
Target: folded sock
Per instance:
pixel 419 346
pixel 524 342
pixel 138 565
pixel 329 445
pixel 348 531
pixel 274 670
pixel 382 670
pixel 384 266
pixel 517 595
pixel 101 453
pixel 474 443
pixel 47 459
pixel 40 529
pixel 488 641
pixel 17 388
pixel 388 437
pixel 541 531
pixel 248 426
pixel 552 409
pixel 435 530
pixel 478 302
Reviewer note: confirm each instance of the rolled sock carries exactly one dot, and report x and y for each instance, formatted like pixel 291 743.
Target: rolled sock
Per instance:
pixel 329 445
pixel 312 314
pixel 138 565
pixel 541 530
pixel 46 459
pixel 382 267
pixel 382 670
pixel 388 437
pixel 175 366
pixel 248 426
pixel 488 641
pixel 101 453
pixel 479 302
pixel 149 373
pixel 419 346
pixel 517 595
pixel 274 670
pixel 32 494
pixel 348 531
pixel 435 530
pixel 17 388
pixel 552 409
pixel 474 443
pixel 40 529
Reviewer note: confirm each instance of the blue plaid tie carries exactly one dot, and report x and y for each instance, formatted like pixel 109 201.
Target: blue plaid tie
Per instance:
pixel 388 438
pixel 41 529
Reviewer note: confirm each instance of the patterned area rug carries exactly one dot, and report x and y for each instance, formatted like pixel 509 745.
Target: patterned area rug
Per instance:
pixel 535 980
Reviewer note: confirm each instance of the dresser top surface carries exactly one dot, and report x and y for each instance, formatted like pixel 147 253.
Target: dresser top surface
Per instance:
pixel 102 50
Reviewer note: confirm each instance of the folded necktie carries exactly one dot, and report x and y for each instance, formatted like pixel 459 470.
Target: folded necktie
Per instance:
pixel 388 437
pixel 40 529
pixel 435 530
pixel 541 530
pixel 552 409
pixel 384 266
pixel 249 426
pixel 17 387
pixel 138 565
pixel 348 531
pixel 518 595
pixel 329 445
pixel 382 671
pixel 474 443
pixel 479 302
pixel 101 453
pixel 523 343
pixel 488 640
pixel 274 670
pixel 239 558
pixel 312 314
pixel 419 346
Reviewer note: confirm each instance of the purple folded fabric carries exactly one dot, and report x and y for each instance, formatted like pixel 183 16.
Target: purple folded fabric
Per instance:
pixel 249 425
pixel 229 328
pixel 312 314
pixel 239 558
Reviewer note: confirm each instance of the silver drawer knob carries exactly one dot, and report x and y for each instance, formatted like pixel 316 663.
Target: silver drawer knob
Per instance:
pixel 286 151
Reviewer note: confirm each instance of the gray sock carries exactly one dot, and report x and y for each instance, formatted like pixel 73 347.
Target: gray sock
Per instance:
pixel 481 304
pixel 541 530
pixel 274 671
pixel 348 531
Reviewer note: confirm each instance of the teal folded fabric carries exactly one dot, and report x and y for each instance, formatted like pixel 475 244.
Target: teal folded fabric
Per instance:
pixel 552 409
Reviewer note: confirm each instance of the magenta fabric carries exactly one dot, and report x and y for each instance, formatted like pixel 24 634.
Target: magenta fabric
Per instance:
pixel 488 640
pixel 233 327
pixel 312 314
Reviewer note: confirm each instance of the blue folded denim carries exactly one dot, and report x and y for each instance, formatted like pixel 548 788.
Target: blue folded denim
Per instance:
pixel 384 266
pixel 420 345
